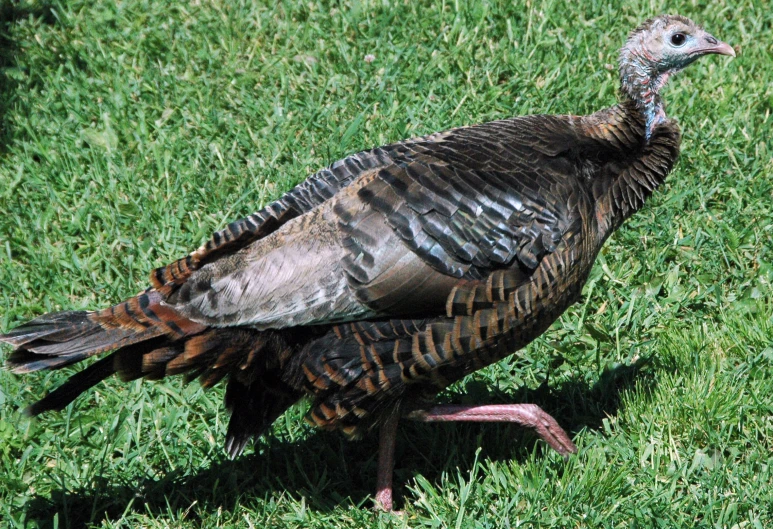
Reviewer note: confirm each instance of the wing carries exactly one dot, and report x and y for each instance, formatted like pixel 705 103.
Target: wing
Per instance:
pixel 326 183
pixel 419 217
pixel 464 203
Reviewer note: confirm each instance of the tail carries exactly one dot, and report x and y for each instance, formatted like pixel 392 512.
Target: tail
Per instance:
pixel 60 339
pixel 148 339
pixel 134 329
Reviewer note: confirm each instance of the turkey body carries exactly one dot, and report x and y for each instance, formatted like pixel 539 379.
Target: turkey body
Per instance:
pixel 380 280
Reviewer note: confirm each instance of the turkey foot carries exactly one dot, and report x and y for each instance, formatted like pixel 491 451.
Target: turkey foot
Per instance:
pixel 529 415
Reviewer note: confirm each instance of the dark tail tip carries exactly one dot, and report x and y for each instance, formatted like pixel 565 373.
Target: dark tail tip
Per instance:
pixel 48 327
pixel 59 339
pixel 78 383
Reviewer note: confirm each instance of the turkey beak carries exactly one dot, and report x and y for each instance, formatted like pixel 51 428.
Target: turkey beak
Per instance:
pixel 714 45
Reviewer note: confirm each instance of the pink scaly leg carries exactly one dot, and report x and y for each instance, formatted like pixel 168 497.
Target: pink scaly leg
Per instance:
pixel 528 415
pixel 386 462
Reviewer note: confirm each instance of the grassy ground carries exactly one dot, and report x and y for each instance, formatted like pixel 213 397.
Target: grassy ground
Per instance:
pixel 131 131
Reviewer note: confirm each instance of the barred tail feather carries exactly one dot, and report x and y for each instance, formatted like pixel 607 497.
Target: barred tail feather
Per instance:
pixel 59 339
pixel 133 328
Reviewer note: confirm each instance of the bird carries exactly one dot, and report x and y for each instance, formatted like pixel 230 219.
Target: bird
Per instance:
pixel 382 279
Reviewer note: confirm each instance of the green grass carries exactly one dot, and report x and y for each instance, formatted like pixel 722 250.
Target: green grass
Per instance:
pixel 132 131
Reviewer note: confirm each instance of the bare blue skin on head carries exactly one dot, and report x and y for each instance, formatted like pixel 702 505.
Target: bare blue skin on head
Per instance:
pixel 657 49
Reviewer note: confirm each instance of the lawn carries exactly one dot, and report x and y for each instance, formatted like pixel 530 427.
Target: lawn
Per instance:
pixel 129 131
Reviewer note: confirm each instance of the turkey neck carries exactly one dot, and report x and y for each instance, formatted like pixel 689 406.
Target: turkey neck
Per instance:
pixel 634 166
pixel 641 82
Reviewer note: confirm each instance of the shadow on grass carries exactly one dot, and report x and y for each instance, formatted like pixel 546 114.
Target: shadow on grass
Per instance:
pixel 328 471
pixel 11 12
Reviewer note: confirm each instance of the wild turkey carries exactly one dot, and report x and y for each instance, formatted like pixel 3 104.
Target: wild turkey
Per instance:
pixel 394 272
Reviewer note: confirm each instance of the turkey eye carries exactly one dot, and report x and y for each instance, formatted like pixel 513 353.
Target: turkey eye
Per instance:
pixel 677 39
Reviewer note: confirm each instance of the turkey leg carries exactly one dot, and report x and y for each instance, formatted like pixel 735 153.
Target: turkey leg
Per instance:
pixel 386 462
pixel 529 415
